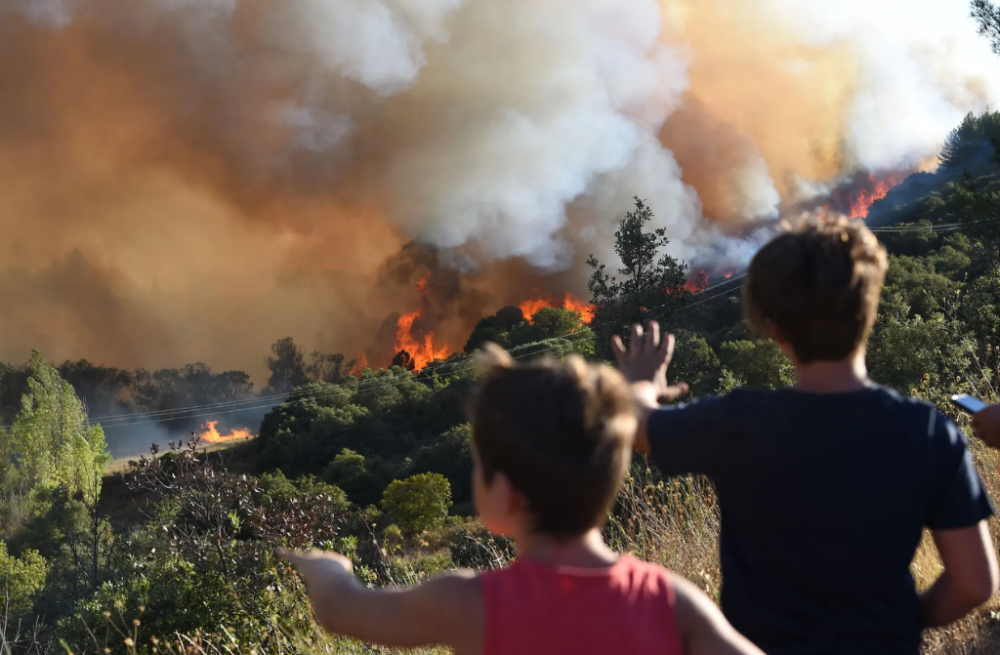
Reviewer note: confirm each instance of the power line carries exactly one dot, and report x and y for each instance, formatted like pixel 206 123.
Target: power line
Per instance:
pixel 259 402
pixel 251 404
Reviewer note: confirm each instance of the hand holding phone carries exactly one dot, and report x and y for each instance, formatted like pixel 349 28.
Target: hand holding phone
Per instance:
pixel 970 404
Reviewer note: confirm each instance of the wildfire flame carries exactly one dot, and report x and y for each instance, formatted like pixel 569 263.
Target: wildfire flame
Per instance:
pixel 210 434
pixel 698 282
pixel 863 204
pixel 420 347
pixel 702 280
pixel 531 307
pixel 360 364
pixel 423 352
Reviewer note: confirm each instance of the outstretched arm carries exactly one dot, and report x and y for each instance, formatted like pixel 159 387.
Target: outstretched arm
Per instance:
pixel 443 611
pixel 970 576
pixel 702 627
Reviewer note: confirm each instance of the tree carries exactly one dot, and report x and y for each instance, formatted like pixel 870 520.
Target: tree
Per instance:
pixel 347 471
pixel 334 369
pixel 695 363
pixel 49 445
pixel 21 578
pixel 288 367
pixel 419 502
pixel 508 318
pixel 451 455
pixel 100 388
pixel 557 322
pixel 402 359
pixel 988 17
pixel 759 364
pixel 649 284
pixel 903 351
pixel 925 290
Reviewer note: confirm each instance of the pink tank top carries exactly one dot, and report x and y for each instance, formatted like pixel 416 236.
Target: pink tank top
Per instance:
pixel 626 608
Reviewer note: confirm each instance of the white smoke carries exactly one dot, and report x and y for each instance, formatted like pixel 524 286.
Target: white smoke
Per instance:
pixel 534 113
pixel 494 128
pixel 921 68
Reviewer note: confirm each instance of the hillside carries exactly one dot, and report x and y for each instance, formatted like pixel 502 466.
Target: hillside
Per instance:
pixel 185 540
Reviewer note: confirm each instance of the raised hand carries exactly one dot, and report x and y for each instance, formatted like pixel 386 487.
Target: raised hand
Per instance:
pixel 646 359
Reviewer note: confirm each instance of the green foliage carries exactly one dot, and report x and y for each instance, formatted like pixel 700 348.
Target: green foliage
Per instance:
pixel 206 558
pixel 902 351
pixel 49 445
pixel 695 363
pixel 921 287
pixel 557 322
pixel 760 365
pixel 980 306
pixel 419 502
pixel 509 328
pixel 450 455
pixel 649 283
pixel 281 489
pixel 22 578
pixel 971 141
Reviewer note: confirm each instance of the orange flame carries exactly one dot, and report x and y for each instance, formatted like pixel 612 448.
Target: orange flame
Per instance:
pixel 360 364
pixel 698 283
pixel 211 435
pixel 531 307
pixel 586 310
pixel 865 200
pixel 423 353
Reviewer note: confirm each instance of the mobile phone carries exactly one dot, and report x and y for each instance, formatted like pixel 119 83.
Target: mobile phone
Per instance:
pixel 969 403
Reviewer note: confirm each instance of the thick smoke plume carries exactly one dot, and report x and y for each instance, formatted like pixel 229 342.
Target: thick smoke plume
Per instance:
pixel 192 179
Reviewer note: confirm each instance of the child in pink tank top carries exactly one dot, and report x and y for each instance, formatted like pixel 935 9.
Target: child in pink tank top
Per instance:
pixel 552 442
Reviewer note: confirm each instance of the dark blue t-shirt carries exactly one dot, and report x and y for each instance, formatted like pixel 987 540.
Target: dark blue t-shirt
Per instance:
pixel 823 501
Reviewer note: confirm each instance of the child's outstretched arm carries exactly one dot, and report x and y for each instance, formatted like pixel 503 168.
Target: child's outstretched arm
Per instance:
pixel 702 627
pixel 446 610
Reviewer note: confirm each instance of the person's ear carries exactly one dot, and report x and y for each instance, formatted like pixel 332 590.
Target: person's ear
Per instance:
pixel 513 502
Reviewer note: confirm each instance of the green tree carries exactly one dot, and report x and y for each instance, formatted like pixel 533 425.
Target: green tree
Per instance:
pixel 903 351
pixel 450 454
pixel 980 306
pixel 695 363
pixel 348 471
pixel 419 502
pixel 557 322
pixel 924 289
pixel 649 283
pixel 759 364
pixel 22 578
pixel 50 444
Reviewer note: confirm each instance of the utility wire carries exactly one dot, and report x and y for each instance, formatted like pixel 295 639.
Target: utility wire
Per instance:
pixel 251 404
pixel 261 402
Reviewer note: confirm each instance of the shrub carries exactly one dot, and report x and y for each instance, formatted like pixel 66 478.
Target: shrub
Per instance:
pixel 419 502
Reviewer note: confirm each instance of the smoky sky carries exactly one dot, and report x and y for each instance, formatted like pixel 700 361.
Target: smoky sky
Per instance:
pixel 191 180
